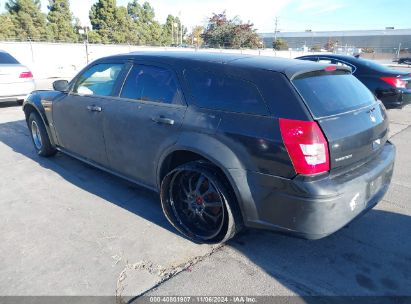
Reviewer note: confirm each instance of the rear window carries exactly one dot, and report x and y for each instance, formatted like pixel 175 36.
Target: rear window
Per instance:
pixel 226 93
pixel 330 94
pixel 6 58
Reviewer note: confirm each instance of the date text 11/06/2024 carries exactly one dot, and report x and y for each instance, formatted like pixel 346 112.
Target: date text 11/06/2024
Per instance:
pixel 203 299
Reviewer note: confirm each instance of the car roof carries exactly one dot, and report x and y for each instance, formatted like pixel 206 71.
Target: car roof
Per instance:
pixel 290 67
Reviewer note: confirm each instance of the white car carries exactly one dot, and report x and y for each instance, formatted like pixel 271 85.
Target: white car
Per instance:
pixel 16 80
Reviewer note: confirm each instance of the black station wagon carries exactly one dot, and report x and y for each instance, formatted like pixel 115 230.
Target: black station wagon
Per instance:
pixel 228 141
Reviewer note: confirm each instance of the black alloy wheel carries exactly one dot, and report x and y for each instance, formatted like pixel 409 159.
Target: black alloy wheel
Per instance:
pixel 197 203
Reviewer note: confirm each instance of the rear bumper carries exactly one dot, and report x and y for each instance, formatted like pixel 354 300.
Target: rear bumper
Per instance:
pixel 398 100
pixel 16 91
pixel 315 209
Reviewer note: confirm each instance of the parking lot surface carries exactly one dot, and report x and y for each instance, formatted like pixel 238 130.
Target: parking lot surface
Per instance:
pixel 69 229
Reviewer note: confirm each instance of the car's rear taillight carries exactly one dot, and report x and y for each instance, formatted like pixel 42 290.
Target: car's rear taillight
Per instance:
pixel 306 146
pixel 26 75
pixel 395 82
pixel 330 68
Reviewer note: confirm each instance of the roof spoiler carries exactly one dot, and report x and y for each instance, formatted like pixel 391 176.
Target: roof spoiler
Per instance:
pixel 298 70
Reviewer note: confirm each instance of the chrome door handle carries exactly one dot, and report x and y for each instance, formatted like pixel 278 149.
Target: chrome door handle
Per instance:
pixel 94 109
pixel 163 120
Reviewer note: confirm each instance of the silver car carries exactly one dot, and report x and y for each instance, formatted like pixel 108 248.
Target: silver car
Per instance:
pixel 16 80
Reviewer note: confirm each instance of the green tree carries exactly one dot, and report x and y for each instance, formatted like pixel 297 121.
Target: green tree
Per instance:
pixel 28 20
pixel 61 21
pixel 230 33
pixel 195 37
pixel 168 31
pixel 315 48
pixel 330 45
pixel 280 44
pixel 368 50
pixel 102 18
pixel 124 32
pixel 112 24
pixel 7 27
pixel 146 29
pixel 244 36
pixel 94 37
pixel 218 30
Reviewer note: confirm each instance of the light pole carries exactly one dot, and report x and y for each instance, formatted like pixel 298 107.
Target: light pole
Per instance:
pixel 399 50
pixel 195 42
pixel 175 24
pixel 172 33
pixel 181 28
pixel 84 30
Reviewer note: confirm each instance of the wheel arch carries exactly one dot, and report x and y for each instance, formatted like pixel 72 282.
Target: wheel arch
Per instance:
pixel 217 154
pixel 198 146
pixel 31 107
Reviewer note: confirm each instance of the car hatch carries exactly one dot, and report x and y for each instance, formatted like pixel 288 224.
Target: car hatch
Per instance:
pixel 353 121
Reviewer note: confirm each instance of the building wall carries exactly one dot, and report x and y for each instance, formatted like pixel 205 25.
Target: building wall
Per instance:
pixel 381 41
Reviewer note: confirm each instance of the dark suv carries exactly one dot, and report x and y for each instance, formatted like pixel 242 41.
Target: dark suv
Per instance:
pixel 227 140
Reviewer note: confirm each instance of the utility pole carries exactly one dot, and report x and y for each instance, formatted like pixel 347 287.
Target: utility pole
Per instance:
pixel 172 33
pixel 399 49
pixel 181 29
pixel 275 29
pixel 84 30
pixel 31 49
pixel 181 33
pixel 87 29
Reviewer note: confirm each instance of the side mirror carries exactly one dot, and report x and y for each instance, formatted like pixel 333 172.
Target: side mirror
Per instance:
pixel 60 85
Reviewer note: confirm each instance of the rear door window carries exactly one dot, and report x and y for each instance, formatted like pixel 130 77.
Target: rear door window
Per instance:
pixel 222 92
pixel 152 83
pixel 6 58
pixel 329 94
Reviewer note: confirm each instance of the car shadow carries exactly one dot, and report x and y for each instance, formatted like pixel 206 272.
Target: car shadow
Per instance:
pixel 107 186
pixel 372 256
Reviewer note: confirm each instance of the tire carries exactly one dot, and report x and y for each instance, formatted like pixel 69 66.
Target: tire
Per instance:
pixel 197 201
pixel 41 140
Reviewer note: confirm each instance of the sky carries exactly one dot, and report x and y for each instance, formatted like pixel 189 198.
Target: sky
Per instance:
pixel 293 15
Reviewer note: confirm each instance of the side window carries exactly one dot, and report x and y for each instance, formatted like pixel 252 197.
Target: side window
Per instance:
pixel 223 92
pixel 98 80
pixel 6 58
pixel 151 83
